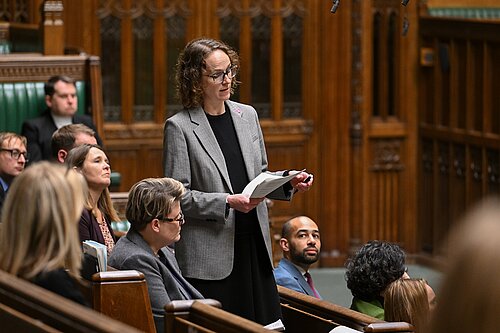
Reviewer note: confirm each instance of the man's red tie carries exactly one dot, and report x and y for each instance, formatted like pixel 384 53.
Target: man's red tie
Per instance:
pixel 311 284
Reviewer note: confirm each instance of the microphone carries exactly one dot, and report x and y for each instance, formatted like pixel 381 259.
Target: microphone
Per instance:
pixel 406 23
pixel 335 5
pixel 406 26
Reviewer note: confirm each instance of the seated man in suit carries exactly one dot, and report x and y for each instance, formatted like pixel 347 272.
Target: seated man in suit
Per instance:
pixel 155 216
pixel 69 137
pixel 62 103
pixel 301 243
pixel 13 158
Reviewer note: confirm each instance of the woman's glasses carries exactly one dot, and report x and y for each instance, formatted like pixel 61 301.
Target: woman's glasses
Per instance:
pixel 179 218
pixel 218 77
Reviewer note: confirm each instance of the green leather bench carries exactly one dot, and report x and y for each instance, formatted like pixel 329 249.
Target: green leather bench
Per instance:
pixel 22 78
pixel 25 100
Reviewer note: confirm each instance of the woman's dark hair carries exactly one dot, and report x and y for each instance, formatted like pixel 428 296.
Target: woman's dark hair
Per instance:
pixel 373 268
pixel 150 198
pixel 189 68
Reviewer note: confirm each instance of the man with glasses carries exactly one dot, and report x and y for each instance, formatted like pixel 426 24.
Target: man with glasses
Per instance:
pixel 155 216
pixel 13 158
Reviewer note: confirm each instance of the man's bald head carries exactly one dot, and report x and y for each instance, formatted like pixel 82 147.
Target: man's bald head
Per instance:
pixel 300 241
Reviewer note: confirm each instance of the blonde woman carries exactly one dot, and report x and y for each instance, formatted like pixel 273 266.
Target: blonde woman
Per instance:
pixel 409 300
pixel 95 222
pixel 469 297
pixel 39 240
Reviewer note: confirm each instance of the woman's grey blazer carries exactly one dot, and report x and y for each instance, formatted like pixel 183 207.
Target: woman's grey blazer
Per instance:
pixel 193 157
pixel 133 252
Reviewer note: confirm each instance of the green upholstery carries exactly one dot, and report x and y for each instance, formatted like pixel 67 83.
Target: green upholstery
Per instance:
pixel 5 47
pixel 24 100
pixel 466 12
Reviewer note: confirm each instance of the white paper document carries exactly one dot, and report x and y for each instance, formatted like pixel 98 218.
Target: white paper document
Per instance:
pixel 276 326
pixel 265 183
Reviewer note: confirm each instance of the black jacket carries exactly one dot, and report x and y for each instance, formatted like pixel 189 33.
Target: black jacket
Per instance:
pixel 38 131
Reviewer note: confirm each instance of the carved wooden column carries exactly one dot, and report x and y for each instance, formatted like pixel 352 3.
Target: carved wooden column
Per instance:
pixel 52 28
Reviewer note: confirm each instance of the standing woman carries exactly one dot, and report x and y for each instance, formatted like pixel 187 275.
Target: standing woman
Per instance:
pixel 95 222
pixel 214 147
pixel 39 239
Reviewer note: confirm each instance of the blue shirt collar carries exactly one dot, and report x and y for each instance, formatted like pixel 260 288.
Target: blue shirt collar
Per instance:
pixel 5 186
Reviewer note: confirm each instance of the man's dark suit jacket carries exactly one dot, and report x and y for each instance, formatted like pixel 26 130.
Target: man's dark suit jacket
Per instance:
pixel 2 198
pixel 38 131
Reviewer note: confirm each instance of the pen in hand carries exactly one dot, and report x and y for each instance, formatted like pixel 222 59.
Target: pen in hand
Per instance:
pixel 307 179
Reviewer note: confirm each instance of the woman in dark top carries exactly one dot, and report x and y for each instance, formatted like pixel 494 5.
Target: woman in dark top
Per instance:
pixel 95 222
pixel 39 240
pixel 214 147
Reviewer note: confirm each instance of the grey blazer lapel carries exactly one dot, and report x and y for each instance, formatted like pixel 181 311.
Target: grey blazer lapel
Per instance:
pixel 244 133
pixel 207 140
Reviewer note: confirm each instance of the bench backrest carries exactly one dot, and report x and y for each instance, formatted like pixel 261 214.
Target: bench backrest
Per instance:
pixel 123 295
pixel 24 300
pixel 206 316
pixel 22 77
pixel 293 302
pixel 15 321
pixel 296 321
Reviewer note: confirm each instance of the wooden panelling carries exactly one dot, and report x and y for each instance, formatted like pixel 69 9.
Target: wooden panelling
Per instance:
pixel 458 130
pixel 398 145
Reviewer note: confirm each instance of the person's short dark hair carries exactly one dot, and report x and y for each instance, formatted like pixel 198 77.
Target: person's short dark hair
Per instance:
pixel 64 137
pixel 152 198
pixel 286 229
pixel 373 268
pixel 49 85
pixel 189 68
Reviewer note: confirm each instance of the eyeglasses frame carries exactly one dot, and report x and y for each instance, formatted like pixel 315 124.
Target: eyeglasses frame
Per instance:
pixel 230 72
pixel 18 153
pixel 179 219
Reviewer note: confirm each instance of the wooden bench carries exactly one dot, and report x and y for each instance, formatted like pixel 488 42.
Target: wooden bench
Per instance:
pixel 123 295
pixel 22 78
pixel 302 311
pixel 28 307
pixel 206 316
pixel 15 321
pixel 22 96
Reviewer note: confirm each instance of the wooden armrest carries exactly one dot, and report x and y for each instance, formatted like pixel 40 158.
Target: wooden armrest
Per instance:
pixel 123 295
pixel 116 275
pixel 219 320
pixel 185 305
pixel 389 327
